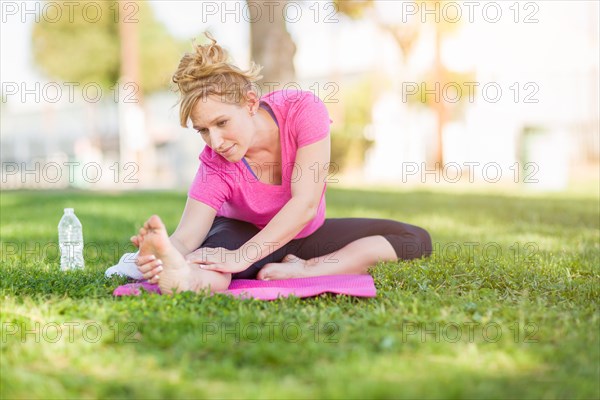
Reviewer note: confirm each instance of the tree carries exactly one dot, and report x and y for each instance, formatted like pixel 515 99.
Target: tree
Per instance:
pixel 112 43
pixel 271 45
pixel 85 47
pixel 405 36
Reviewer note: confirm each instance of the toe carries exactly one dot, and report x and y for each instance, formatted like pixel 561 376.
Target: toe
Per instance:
pixel 155 222
pixel 263 274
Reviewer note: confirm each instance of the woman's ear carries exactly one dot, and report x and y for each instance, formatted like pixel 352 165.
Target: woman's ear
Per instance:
pixel 252 102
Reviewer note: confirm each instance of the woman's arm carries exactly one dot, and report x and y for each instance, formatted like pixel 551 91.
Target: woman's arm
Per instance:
pixel 196 220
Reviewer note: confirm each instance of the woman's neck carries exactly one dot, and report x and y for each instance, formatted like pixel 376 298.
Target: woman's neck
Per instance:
pixel 265 143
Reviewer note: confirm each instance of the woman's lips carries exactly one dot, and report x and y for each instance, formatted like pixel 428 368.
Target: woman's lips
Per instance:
pixel 228 151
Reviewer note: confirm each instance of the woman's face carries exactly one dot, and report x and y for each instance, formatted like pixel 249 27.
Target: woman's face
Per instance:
pixel 226 128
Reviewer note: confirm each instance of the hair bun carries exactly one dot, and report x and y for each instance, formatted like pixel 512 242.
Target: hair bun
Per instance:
pixel 210 54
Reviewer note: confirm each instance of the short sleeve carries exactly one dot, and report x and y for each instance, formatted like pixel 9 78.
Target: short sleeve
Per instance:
pixel 210 186
pixel 311 120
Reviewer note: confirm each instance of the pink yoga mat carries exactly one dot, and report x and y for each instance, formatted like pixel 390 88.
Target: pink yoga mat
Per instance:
pixel 352 285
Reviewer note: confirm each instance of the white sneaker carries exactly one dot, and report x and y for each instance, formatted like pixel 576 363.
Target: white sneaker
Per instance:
pixel 125 267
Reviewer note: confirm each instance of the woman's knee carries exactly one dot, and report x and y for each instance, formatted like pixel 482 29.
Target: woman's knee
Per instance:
pixel 410 241
pixel 423 239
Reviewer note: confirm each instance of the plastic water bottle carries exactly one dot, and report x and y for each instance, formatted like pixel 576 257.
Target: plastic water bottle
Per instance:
pixel 70 239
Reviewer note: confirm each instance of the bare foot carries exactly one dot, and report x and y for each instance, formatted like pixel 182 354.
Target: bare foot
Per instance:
pixel 290 267
pixel 177 275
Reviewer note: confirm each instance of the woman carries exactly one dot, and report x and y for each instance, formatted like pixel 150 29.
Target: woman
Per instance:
pixel 256 208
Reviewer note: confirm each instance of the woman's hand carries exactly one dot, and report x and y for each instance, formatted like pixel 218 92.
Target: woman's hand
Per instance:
pixel 218 259
pixel 148 265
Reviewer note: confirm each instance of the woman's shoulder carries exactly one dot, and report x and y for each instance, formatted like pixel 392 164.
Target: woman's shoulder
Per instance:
pixel 304 113
pixel 290 98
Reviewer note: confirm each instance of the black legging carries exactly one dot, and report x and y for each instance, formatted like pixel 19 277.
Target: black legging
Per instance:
pixel 408 241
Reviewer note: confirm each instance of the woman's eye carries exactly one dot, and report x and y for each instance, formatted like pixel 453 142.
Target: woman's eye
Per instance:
pixel 222 123
pixel 202 131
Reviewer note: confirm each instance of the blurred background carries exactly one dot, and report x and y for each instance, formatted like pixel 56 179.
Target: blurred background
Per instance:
pixel 423 93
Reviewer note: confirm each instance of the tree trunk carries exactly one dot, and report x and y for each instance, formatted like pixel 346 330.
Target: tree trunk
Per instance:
pixel 440 107
pixel 135 146
pixel 271 45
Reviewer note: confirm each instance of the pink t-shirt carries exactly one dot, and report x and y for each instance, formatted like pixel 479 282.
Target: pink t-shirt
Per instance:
pixel 233 190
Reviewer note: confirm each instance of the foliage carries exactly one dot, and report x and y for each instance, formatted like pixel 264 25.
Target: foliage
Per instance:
pixel 348 141
pixel 84 50
pixel 354 9
pixel 451 84
pixel 401 344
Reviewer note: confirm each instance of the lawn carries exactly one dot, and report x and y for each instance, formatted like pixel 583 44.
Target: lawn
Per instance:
pixel 507 307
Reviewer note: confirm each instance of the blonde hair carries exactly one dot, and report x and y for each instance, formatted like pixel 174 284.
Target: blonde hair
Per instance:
pixel 207 71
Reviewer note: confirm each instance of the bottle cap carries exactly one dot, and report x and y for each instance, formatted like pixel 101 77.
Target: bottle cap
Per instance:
pixel 68 210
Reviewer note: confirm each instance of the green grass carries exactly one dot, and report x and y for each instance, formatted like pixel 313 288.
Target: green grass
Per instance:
pixel 517 276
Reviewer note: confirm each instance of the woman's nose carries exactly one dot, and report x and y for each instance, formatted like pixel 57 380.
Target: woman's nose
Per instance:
pixel 216 140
